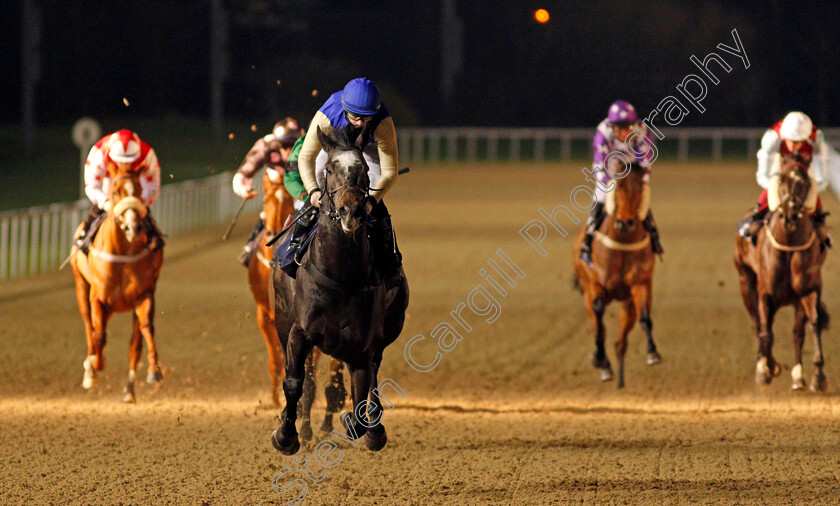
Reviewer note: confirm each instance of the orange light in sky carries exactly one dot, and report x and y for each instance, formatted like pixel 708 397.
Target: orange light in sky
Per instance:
pixel 541 15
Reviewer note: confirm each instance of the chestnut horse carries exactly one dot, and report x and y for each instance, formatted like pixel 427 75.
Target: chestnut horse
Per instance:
pixel 338 301
pixel 782 269
pixel 277 207
pixel 119 274
pixel 622 270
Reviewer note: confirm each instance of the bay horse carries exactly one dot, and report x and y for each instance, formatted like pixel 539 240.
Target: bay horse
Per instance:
pixel 622 270
pixel 782 269
pixel 118 274
pixel 338 302
pixel 277 207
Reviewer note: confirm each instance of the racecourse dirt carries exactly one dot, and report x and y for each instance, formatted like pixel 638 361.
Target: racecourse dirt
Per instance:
pixel 514 413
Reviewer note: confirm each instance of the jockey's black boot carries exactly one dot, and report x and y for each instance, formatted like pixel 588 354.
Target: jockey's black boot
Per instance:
pixel 85 236
pixel 386 253
pixel 753 223
pixel 819 224
pixel 153 233
pixel 593 222
pixel 251 244
pixel 306 220
pixel 650 226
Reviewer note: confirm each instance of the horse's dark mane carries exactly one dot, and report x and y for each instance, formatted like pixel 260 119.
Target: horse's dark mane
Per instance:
pixel 637 167
pixel 344 142
pixel 342 138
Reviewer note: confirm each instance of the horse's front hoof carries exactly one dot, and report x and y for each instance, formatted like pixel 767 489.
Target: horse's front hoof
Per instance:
pixel 607 374
pixel 353 432
pixel 128 398
pixel 376 443
pixel 89 379
pixel 796 376
pixel 88 382
pixel 619 384
pixel 154 377
pixel 819 383
pixel 654 358
pixel 286 446
pixel 763 376
pixel 326 427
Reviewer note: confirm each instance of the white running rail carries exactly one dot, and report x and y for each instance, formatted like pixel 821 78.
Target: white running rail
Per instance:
pixel 37 239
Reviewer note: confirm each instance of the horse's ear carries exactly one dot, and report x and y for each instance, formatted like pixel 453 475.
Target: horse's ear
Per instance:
pixel 363 138
pixel 326 141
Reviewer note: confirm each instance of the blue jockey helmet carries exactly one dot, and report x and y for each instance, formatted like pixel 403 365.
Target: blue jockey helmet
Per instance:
pixel 361 97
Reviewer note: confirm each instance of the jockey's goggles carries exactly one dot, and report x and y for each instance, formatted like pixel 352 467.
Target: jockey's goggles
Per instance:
pixel 622 125
pixel 357 117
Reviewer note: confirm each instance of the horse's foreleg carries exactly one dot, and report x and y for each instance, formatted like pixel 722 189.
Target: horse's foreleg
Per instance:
pixel 798 338
pixel 285 438
pixel 817 320
pixel 376 436
pixel 642 297
pixel 145 312
pixel 595 306
pixel 100 314
pixel 627 320
pixel 356 422
pixel 83 299
pixel 308 396
pixel 135 347
pixel 335 394
pixel 749 293
pixel 275 355
pixel 766 367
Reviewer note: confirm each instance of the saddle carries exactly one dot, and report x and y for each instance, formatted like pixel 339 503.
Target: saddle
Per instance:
pixel 91 233
pixel 285 258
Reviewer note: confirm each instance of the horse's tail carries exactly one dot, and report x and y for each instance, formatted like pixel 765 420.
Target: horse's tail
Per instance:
pixel 823 319
pixel 576 284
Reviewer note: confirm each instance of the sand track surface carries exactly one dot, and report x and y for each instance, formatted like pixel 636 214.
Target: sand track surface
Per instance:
pixel 514 413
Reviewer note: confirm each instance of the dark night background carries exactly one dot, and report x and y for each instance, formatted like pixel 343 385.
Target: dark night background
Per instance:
pixel 515 71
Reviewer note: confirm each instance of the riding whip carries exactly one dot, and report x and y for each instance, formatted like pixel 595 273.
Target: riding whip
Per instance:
pixel 233 222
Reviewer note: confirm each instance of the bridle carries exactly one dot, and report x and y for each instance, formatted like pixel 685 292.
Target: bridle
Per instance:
pixel 115 211
pixel 331 211
pixel 796 207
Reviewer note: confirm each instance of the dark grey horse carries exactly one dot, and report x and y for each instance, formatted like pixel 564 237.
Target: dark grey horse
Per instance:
pixel 338 301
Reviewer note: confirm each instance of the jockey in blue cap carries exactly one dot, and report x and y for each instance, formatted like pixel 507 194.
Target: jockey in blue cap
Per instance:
pixel 613 135
pixel 356 109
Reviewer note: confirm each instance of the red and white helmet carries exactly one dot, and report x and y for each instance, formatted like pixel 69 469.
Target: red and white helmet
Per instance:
pixel 125 146
pixel 796 127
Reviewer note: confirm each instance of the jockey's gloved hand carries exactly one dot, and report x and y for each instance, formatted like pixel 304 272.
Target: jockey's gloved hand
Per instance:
pixel 243 187
pixel 315 198
pixel 370 201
